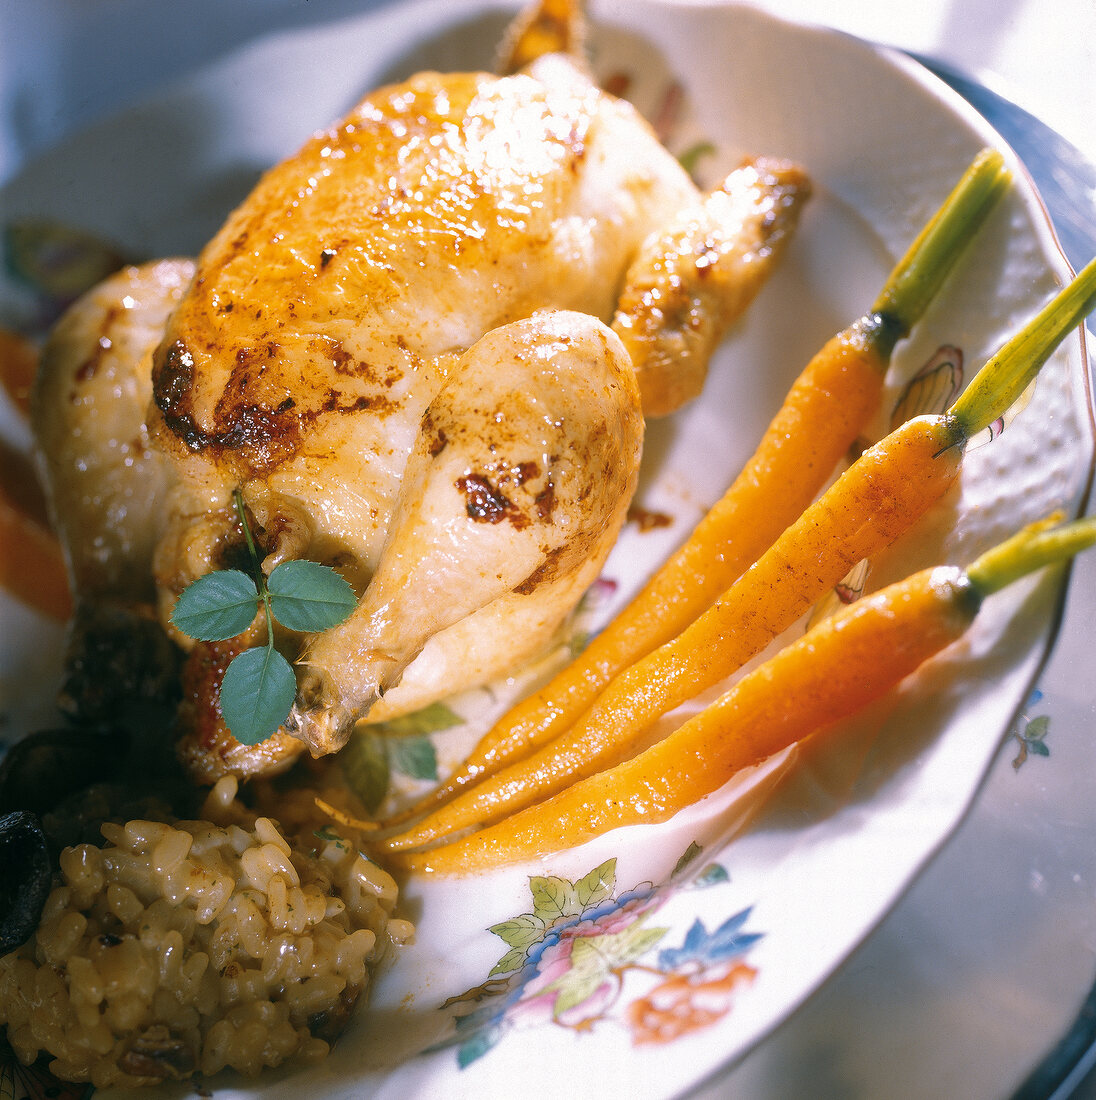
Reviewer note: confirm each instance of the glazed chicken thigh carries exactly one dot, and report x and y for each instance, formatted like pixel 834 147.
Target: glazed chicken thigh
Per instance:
pixel 421 351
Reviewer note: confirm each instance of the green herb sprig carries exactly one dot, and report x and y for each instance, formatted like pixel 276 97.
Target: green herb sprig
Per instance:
pixel 259 687
pixel 377 752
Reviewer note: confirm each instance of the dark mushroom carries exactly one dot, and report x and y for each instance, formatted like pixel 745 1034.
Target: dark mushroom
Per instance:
pixel 46 767
pixel 25 877
pixel 119 663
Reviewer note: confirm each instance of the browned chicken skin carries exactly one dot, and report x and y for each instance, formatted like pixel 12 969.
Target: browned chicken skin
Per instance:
pixel 415 349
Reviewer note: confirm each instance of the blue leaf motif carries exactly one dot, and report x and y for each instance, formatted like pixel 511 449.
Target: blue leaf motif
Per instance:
pixel 726 942
pixel 695 938
pixel 713 875
pixel 478 1045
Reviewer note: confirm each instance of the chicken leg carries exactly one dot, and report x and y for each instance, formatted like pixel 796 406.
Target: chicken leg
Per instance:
pixel 521 474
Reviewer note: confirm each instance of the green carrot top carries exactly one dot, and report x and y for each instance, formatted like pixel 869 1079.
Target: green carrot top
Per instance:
pixel 917 277
pixel 1005 376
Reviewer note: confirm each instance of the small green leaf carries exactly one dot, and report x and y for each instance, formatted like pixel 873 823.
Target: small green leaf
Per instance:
pixel 687 857
pixel 414 757
pixel 553 897
pixel 588 972
pixel 328 835
pixel 1038 748
pixel 217 606
pixel 598 885
pixel 691 157
pixel 256 694
pixel 309 597
pixel 431 719
pixel 513 960
pixel 521 931
pixel 1037 728
pixel 617 949
pixel 365 765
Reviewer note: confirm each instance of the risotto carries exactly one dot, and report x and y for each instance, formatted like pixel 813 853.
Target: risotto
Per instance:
pixel 192 946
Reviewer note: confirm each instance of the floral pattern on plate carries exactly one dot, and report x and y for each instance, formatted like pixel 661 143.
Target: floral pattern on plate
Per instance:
pixel 570 955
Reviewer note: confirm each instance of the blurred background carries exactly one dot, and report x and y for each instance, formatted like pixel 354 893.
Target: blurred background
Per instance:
pixel 65 63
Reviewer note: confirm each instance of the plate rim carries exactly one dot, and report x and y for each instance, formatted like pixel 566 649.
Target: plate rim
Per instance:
pixel 471 5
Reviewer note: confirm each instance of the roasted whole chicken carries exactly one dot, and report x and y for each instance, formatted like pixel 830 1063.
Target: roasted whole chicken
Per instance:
pixel 422 350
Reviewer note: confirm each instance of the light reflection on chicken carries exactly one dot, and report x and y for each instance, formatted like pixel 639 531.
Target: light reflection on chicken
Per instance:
pixel 399 349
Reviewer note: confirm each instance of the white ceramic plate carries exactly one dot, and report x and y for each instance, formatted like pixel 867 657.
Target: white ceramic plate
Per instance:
pixel 631 975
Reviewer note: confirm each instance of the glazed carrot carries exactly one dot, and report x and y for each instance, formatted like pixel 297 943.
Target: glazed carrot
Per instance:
pixel 18 366
pixel 32 566
pixel 877 499
pixel 826 409
pixel 844 664
pixel 20 487
pixel 837 669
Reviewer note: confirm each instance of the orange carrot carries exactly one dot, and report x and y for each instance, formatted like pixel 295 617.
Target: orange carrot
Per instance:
pixel 840 667
pixel 20 487
pixel 32 566
pixel 877 499
pixel 18 365
pixel 825 410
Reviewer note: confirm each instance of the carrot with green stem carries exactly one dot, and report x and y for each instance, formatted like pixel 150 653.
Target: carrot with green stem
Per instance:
pixel 826 409
pixel 877 499
pixel 828 675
